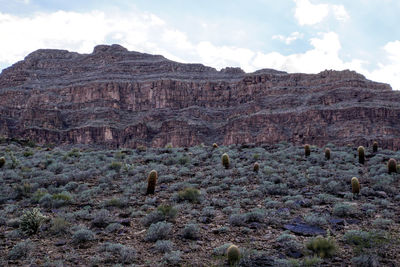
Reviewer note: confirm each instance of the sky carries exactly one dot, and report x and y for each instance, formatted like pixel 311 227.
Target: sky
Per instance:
pixel 306 36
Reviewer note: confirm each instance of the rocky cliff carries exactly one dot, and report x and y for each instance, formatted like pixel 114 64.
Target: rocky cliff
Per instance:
pixel 118 98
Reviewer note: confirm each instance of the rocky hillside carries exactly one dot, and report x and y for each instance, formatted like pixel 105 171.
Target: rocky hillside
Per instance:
pixel 119 98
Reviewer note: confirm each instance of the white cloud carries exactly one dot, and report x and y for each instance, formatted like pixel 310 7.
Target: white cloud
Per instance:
pixel 390 72
pixel 289 39
pixel 307 13
pixel 340 12
pixel 146 32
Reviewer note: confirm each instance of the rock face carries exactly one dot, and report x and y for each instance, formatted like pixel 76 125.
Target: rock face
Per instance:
pixel 118 98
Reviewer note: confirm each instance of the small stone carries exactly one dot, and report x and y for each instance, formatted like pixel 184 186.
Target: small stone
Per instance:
pixel 304 229
pixel 60 242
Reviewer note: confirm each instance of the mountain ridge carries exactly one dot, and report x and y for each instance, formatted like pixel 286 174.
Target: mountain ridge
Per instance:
pixel 117 98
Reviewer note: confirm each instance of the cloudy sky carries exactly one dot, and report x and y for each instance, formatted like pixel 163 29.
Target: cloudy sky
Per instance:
pixel 291 35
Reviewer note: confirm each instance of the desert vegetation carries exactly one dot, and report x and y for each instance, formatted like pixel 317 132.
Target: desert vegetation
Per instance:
pixel 240 205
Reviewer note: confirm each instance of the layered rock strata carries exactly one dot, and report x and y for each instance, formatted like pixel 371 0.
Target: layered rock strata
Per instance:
pixel 118 98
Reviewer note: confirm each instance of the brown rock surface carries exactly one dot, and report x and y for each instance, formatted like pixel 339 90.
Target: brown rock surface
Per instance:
pixel 118 98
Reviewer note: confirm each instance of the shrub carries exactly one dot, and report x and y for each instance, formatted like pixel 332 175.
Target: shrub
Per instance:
pixel 2 162
pixel 31 221
pixel 225 160
pixel 191 231
pixel 113 227
pixel 344 210
pixel 116 166
pixel 323 247
pixel 123 253
pixel 363 239
pixel 381 223
pixel 172 258
pixel 316 219
pixel 375 147
pixel 355 185
pixel 169 212
pixel 256 167
pixel 101 219
pixel 307 150
pixel 61 199
pixel 327 154
pixel 59 226
pixel 361 154
pixel 151 182
pixel 20 250
pixel 164 246
pixel 366 260
pixel 82 236
pixel 158 231
pixel 189 194
pixel 392 164
pixel 233 254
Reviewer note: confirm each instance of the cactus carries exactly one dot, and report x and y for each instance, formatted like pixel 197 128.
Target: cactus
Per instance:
pixel 225 160
pixel 355 185
pixel 2 162
pixel 327 153
pixel 392 164
pixel 361 154
pixel 215 145
pixel 256 167
pixel 307 150
pixel 151 182
pixel 233 254
pixel 375 147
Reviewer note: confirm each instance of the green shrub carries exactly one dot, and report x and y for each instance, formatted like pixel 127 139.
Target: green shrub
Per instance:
pixel 59 226
pixel 169 212
pixel 189 194
pixel 323 247
pixel 365 240
pixel 31 221
pixel 116 166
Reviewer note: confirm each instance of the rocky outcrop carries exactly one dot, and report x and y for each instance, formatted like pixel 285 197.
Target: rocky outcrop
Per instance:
pixel 118 98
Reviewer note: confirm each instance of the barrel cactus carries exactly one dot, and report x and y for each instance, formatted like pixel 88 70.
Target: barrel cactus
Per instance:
pixel 2 162
pixel 225 160
pixel 355 185
pixel 233 254
pixel 151 182
pixel 361 154
pixel 392 164
pixel 327 153
pixel 256 167
pixel 375 147
pixel 307 150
